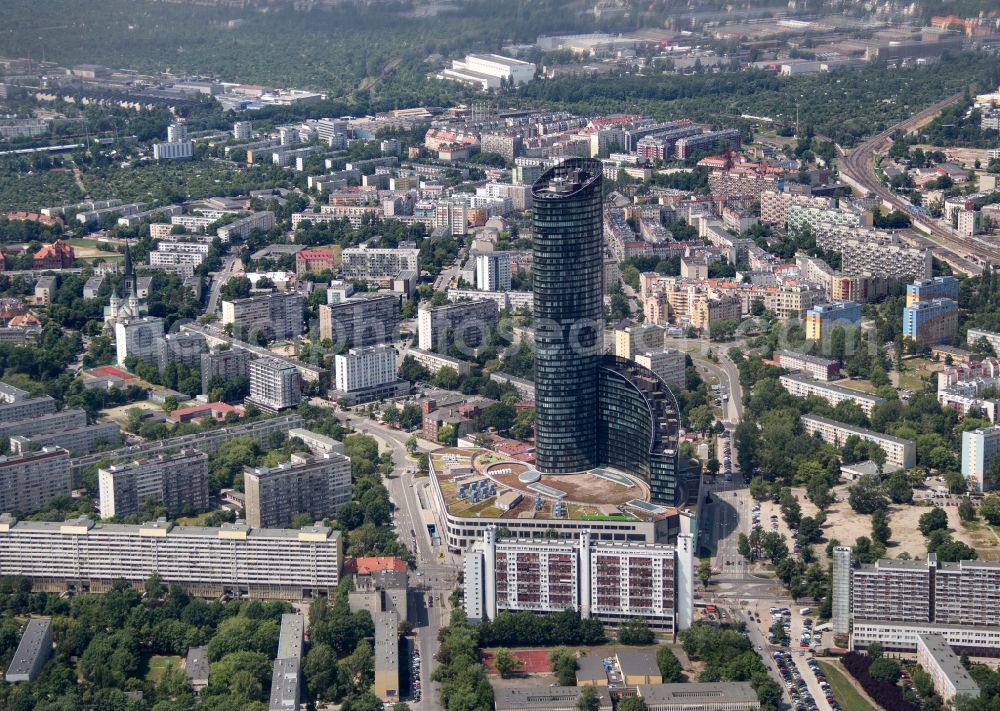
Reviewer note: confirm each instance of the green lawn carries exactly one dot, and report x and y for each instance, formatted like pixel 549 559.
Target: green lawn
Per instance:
pixel 158 665
pixel 843 691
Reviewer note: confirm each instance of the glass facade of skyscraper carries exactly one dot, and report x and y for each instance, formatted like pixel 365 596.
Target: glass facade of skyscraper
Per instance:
pixel 568 308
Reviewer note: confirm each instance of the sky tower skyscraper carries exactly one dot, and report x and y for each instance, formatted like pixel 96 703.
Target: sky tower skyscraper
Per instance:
pixel 568 304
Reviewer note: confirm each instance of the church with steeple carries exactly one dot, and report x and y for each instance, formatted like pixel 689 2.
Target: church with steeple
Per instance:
pixel 126 306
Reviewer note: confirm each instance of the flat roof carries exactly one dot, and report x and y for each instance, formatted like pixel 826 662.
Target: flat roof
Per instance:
pixel 290 636
pixel 634 662
pixel 706 694
pixel 858 430
pixel 947 661
pixel 387 641
pixel 35 634
pixel 534 697
pixel 285 685
pixel 800 378
pixel 806 357
pixel 590 667
pixel 196 667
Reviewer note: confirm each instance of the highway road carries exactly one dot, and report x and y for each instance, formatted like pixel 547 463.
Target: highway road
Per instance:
pixel 859 165
pixel 219 278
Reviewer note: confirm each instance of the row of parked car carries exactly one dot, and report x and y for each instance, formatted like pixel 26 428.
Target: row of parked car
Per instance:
pixel 817 671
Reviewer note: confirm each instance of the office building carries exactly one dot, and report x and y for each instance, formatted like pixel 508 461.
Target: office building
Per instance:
pixel 813 366
pixel 286 678
pixel 931 322
pixel 29 481
pixel 223 365
pixel 899 452
pixel 669 365
pixel 978 449
pixel 314 484
pixel 493 271
pixel 242 227
pixel 179 481
pixel 823 318
pixel 462 324
pixel 277 316
pixel 945 668
pixel 569 290
pixel 638 339
pixel 803 386
pixel 942 287
pixel 274 385
pixel 32 652
pixel 379 263
pixel 184 349
pixel 586 576
pixel 362 320
pixel 137 337
pixel 86 557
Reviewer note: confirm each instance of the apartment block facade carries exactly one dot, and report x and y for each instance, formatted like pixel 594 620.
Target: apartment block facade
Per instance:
pixel 803 386
pixel 823 318
pixel 933 322
pixel 274 385
pixel 899 452
pixel 612 582
pixel 314 484
pixel 235 559
pixel 467 323
pixel 813 366
pixel 29 481
pixel 178 480
pixel 223 365
pixel 379 263
pixel 278 316
pixel 362 368
pixel 363 320
pixel 942 287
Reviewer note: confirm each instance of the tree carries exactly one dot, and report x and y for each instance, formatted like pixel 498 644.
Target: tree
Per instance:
pixel 759 488
pixel 884 669
pixel 967 510
pixel 670 667
pixel 563 666
pixel 505 662
pixel 898 488
pixel 774 546
pixel 880 527
pixel 588 700
pixel 154 586
pixel 634 703
pixel 875 650
pixel 704 572
pixel 743 546
pixel 499 416
pixel 867 495
pixel 989 507
pixel 320 670
pixel 635 631
pixel 933 520
pixel 447 435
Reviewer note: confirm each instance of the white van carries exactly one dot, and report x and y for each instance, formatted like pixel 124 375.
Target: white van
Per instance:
pixel 805 610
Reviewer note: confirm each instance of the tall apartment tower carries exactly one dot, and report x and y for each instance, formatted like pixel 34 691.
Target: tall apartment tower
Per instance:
pixel 841 590
pixel 568 293
pixel 274 385
pixel 493 271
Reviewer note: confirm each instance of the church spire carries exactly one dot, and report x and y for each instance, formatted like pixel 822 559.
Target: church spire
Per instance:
pixel 128 283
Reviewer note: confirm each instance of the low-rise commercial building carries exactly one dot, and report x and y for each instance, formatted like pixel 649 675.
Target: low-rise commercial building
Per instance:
pixel 705 696
pixel 899 452
pixel 235 559
pixel 540 698
pixel 386 685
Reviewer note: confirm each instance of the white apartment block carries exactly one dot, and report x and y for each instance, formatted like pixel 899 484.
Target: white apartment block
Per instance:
pixel 992 337
pixel 29 481
pixel 173 151
pixel 177 132
pixel 242 130
pixel 809 217
pixel 505 300
pixel 612 582
pixel 363 368
pixel 875 252
pixel 668 364
pixel 137 337
pixel 317 484
pixel 493 271
pixel 242 227
pixel 364 262
pixel 179 261
pixel 899 452
pixel 804 386
pixel 978 448
pixel 178 480
pixel 235 559
pixel 638 339
pixel 774 206
pixel 274 385
pixel 435 361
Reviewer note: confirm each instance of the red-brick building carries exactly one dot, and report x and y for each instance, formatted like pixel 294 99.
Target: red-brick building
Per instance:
pixel 312 261
pixel 57 255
